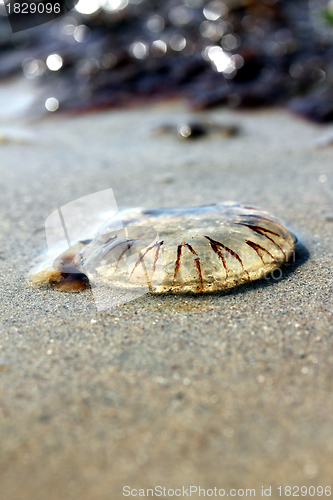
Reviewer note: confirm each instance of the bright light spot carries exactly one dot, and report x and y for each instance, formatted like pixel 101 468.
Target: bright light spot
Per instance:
pixel 52 104
pixel 114 5
pixel 219 58
pixel 54 62
pixel 155 23
pixel 139 50
pixel 230 71
pixel 87 6
pixel 180 15
pixel 33 68
pixel 158 48
pixel 214 10
pixel 81 33
pixel 323 178
pixel 177 42
pixel 222 61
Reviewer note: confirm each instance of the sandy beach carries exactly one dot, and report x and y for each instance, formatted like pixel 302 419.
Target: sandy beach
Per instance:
pixel 226 390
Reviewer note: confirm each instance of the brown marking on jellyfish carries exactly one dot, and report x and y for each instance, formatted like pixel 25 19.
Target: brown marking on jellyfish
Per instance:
pixel 109 239
pixel 219 254
pixel 159 244
pixel 259 228
pixel 258 249
pixel 129 245
pixel 198 266
pixel 115 246
pixel 262 231
pixel 247 207
pixel 232 253
pixel 275 234
pixel 196 262
pixel 156 256
pixel 263 218
pixel 146 275
pixel 177 263
pixel 265 230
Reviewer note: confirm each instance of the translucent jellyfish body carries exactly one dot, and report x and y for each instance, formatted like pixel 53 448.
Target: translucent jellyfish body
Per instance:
pixel 202 249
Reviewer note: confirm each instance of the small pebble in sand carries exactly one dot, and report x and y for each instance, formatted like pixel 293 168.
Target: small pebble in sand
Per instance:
pixel 196 129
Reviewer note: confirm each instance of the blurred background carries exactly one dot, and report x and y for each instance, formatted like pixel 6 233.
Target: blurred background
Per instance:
pixel 241 53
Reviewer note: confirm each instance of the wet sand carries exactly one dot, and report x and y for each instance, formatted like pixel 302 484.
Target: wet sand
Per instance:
pixel 226 390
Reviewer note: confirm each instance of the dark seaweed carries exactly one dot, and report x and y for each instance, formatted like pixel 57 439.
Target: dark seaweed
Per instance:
pixel 283 54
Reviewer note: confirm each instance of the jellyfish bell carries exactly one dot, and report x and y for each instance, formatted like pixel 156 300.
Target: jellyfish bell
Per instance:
pixel 178 250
